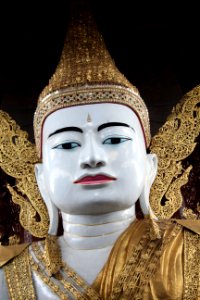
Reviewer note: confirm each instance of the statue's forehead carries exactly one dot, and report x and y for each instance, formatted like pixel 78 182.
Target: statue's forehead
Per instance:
pixel 91 113
pixel 92 117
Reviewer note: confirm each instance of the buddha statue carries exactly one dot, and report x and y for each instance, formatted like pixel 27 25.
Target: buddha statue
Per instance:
pixel 92 133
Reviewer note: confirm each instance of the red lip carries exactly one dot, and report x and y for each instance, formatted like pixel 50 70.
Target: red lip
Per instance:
pixel 96 179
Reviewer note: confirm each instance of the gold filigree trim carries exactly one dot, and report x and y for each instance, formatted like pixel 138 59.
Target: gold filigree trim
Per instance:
pixel 14 239
pixel 191 265
pixel 174 142
pixel 19 279
pixel 84 58
pixel 173 194
pixel 90 95
pixel 17 159
pixel 65 283
pixel 189 214
pixel 52 255
pixel 133 281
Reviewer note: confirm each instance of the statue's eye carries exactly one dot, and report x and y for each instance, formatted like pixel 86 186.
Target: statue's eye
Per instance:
pixel 67 145
pixel 115 140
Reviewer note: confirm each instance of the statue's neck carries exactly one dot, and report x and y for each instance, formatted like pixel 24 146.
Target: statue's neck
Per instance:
pixel 89 232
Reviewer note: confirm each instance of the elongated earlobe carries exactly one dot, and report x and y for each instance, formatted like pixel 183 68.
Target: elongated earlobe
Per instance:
pixel 152 163
pixel 52 209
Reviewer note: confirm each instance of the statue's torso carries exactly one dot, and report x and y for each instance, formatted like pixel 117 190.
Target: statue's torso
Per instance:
pixel 138 266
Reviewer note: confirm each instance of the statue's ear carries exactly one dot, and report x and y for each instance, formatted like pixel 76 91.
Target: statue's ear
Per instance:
pixel 152 167
pixel 52 209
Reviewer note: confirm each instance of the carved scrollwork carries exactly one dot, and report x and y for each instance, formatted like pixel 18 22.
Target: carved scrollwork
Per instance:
pixel 175 144
pixel 17 159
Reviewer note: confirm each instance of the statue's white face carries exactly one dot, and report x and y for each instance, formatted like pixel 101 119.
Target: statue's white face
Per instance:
pixel 94 158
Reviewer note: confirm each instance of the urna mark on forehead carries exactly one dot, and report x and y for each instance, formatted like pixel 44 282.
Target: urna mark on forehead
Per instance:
pixel 96 116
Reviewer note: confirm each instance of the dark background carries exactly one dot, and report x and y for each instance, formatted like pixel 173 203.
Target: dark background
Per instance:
pixel 155 45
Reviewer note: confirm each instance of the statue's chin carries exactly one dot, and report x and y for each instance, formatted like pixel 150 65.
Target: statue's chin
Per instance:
pixel 96 208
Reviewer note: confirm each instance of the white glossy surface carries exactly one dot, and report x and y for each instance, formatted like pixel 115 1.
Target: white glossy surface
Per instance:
pixel 92 154
pixel 94 215
pixel 83 232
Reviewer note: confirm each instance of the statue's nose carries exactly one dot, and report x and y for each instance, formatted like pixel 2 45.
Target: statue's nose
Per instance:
pixel 93 155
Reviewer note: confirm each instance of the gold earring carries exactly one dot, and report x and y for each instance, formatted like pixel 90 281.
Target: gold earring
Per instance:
pixel 52 255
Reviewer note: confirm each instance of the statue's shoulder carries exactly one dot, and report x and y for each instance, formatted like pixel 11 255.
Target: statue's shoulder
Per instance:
pixel 7 253
pixel 167 229
pixel 191 225
pixel 15 274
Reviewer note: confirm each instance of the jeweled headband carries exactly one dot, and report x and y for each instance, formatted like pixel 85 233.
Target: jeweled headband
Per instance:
pixel 86 74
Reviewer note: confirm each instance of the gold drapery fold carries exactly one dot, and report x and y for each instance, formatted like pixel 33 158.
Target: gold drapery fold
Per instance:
pixel 168 280
pixel 171 272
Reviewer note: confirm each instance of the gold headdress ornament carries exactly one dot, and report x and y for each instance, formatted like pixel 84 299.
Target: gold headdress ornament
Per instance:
pixel 86 74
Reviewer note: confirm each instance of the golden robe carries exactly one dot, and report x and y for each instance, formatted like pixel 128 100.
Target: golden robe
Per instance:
pixel 142 265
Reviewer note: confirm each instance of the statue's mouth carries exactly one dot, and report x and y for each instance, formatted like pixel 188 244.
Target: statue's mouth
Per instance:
pixel 95 179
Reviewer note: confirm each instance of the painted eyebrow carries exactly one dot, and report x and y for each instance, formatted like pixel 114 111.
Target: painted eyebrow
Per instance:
pixel 77 129
pixel 111 124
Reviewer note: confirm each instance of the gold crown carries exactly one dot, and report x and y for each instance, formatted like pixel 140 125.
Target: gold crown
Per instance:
pixel 86 74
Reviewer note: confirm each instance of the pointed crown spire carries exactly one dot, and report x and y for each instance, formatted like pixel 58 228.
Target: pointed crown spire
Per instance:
pixel 85 74
pixel 84 58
